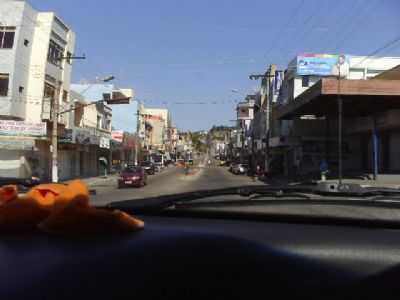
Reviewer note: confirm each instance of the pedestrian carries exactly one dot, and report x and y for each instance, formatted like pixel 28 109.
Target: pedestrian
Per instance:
pixel 258 171
pixel 323 167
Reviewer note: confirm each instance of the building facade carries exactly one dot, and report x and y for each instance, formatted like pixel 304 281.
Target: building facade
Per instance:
pixel 35 72
pixel 302 142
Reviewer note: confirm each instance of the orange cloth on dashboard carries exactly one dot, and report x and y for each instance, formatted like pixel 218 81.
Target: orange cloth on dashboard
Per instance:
pixel 58 208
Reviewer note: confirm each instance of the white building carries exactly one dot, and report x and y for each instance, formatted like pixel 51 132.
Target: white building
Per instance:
pixel 297 80
pixel 34 71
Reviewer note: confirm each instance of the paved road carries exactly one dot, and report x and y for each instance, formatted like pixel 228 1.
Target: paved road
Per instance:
pixel 170 181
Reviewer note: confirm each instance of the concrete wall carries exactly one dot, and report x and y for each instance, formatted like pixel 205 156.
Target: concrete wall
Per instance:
pixel 362 68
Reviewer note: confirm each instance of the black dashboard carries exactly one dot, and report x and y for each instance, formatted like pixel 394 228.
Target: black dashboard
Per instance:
pixel 175 257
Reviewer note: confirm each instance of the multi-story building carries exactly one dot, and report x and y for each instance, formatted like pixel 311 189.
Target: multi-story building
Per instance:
pixel 35 71
pixel 93 125
pixel 245 115
pixel 154 128
pixel 305 129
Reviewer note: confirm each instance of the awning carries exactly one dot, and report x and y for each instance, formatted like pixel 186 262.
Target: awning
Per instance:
pixel 360 98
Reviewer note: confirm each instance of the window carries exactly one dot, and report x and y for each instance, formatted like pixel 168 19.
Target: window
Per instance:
pixel 65 96
pixel 7 35
pixel 26 43
pixel 49 92
pixel 21 89
pixel 4 79
pixel 305 81
pixel 55 53
pixel 69 55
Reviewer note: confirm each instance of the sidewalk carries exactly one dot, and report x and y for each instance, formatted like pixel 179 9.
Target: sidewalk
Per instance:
pixel 92 181
pixel 383 180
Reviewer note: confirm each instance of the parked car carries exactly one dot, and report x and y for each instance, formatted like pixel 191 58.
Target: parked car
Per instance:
pixel 149 167
pixel 233 166
pixel 240 169
pixel 132 176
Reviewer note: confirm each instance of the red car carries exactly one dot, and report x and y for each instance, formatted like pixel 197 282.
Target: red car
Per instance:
pixel 132 176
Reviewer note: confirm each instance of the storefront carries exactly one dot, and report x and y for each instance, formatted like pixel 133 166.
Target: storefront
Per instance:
pixel 370 123
pixel 19 155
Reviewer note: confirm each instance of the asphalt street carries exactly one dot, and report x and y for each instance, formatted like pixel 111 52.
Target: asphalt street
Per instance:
pixel 170 181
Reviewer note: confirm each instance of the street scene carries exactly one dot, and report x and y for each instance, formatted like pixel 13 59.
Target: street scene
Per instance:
pixel 172 180
pixel 321 116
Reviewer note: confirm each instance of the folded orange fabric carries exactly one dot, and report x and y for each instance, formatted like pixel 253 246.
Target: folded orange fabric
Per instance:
pixel 58 208
pixel 8 193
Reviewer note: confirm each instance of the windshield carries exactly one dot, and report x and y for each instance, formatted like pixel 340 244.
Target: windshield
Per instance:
pixel 132 170
pixel 204 95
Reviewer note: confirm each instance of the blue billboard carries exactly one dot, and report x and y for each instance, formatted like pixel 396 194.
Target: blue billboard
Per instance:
pixel 322 64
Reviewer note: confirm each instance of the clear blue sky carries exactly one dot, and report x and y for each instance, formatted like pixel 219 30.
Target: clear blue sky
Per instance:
pixel 197 51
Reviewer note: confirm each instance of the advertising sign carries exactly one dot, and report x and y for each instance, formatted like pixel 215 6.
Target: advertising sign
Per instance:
pixel 117 135
pixel 84 136
pixel 17 144
pixel 322 64
pixel 22 128
pixel 104 142
pixel 66 137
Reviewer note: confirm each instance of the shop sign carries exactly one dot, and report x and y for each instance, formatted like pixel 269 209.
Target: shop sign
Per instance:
pixel 17 144
pixel 22 128
pixel 85 136
pixel 66 137
pixel 117 135
pixel 104 142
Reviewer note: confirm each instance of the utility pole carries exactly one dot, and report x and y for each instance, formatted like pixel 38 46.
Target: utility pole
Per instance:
pixel 54 135
pixel 340 124
pixel 138 127
pixel 54 115
pixel 266 83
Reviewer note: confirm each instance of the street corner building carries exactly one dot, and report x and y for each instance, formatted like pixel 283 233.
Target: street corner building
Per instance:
pixel 290 127
pixel 36 56
pixel 35 71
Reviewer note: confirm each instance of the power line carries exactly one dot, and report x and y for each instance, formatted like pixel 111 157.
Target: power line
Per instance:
pixel 279 34
pixel 356 21
pixel 300 33
pixel 385 46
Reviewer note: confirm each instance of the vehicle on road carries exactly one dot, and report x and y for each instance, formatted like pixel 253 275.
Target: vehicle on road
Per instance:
pixel 132 176
pixel 149 167
pixel 158 161
pixel 232 166
pixel 240 169
pixel 180 162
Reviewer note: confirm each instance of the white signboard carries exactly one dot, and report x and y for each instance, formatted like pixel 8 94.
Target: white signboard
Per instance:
pixel 22 128
pixel 117 135
pixel 104 142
